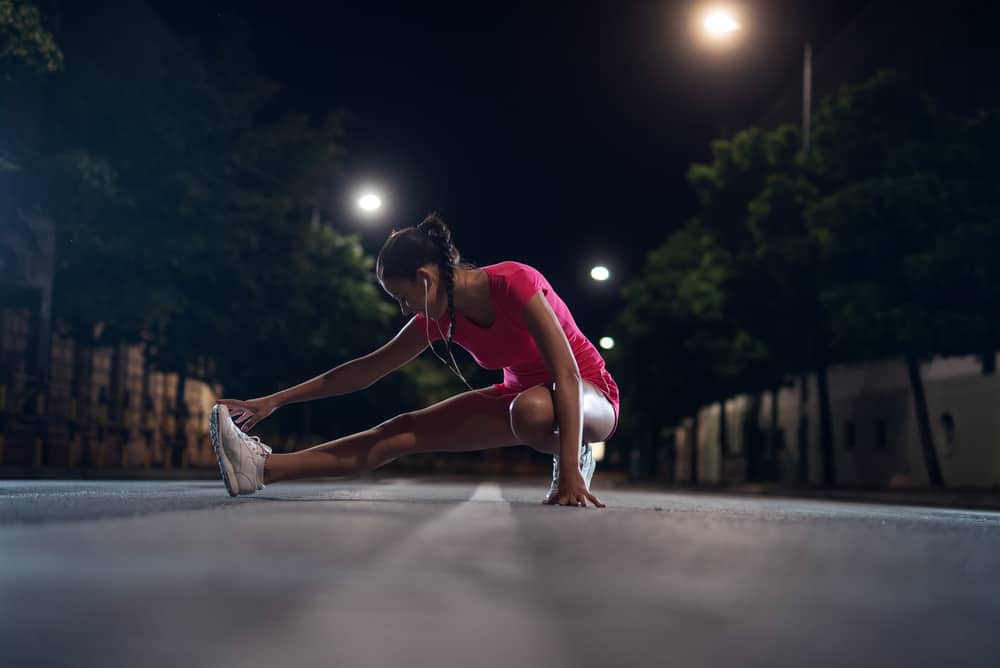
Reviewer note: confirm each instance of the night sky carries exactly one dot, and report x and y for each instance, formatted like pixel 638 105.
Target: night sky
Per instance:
pixel 553 133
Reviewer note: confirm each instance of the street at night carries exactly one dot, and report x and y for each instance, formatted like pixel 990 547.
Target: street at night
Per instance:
pixel 554 334
pixel 420 573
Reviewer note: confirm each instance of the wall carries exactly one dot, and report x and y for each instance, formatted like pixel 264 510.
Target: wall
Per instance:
pixel 875 438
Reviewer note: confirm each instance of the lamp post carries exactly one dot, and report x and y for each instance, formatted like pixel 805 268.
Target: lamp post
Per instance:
pixel 720 24
pixel 807 79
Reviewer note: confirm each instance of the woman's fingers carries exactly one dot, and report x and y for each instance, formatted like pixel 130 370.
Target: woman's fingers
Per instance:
pixel 235 407
pixel 242 413
pixel 580 501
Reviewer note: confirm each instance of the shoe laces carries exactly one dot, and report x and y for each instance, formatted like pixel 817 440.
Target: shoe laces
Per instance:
pixel 254 442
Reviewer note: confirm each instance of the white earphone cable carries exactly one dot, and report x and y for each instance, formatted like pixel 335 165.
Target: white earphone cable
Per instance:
pixel 451 328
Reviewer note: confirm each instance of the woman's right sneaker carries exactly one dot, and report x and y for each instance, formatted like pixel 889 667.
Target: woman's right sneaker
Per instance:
pixel 587 466
pixel 241 457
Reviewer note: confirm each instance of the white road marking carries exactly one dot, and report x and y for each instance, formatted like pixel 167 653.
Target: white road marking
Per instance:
pixel 461 576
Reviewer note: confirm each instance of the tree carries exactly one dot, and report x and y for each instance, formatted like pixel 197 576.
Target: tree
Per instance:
pixel 797 321
pixel 24 38
pixel 961 274
pixel 878 242
pixel 727 188
pixel 682 349
pixel 187 217
pixel 27 51
pixel 881 214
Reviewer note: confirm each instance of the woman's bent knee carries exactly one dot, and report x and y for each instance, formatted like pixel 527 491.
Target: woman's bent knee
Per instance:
pixel 532 417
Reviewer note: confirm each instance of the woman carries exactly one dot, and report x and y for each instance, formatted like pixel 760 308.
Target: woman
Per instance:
pixel 556 393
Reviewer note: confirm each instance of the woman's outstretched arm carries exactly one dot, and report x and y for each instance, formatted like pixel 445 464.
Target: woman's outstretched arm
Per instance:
pixel 358 373
pixel 348 377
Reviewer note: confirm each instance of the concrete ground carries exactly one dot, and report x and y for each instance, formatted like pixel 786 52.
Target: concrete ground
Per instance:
pixel 428 573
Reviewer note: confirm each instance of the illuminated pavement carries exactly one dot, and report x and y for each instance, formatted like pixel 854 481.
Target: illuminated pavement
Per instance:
pixel 411 573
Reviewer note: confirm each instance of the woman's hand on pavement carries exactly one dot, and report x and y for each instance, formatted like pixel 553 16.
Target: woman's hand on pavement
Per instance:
pixel 573 491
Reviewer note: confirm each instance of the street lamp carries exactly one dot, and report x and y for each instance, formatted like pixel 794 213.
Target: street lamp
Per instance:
pixel 600 273
pixel 369 202
pixel 720 24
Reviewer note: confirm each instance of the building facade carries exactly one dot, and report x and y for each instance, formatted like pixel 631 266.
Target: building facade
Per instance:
pixel 875 435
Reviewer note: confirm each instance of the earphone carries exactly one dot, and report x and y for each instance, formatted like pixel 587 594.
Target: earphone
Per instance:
pixel 451 326
pixel 456 370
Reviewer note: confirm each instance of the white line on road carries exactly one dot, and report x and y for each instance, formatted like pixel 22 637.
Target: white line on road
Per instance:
pixel 488 491
pixel 455 591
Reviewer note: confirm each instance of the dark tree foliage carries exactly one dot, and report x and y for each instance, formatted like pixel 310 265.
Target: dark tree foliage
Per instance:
pixel 876 244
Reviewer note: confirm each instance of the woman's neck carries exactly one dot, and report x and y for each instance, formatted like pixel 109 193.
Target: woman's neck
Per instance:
pixel 471 292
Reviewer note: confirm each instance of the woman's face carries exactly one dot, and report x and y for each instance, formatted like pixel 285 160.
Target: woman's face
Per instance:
pixel 410 294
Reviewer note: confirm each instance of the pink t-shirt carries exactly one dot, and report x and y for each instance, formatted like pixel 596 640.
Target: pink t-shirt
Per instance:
pixel 508 343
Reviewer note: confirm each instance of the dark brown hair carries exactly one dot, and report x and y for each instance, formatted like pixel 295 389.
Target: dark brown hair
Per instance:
pixel 408 249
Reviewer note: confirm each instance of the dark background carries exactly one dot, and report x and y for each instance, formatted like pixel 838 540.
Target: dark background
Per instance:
pixel 553 133
pixel 147 160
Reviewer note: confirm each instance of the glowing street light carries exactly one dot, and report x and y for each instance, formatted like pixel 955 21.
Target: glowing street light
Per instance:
pixel 720 23
pixel 600 273
pixel 607 342
pixel 369 202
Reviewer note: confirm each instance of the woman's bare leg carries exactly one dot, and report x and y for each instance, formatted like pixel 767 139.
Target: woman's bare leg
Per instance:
pixel 467 421
pixel 533 417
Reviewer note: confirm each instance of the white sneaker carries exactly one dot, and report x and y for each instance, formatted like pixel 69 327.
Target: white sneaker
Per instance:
pixel 241 457
pixel 587 466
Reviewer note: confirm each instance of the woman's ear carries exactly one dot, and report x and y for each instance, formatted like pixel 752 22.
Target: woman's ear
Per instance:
pixel 423 277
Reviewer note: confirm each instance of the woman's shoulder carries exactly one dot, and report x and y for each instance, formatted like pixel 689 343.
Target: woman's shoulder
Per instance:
pixel 517 280
pixel 512 269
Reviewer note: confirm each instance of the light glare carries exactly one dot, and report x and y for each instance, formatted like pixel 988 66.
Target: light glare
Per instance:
pixel 597 449
pixel 607 342
pixel 600 273
pixel 370 202
pixel 720 23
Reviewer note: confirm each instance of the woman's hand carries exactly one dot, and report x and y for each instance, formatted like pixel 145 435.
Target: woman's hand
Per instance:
pixel 248 413
pixel 572 492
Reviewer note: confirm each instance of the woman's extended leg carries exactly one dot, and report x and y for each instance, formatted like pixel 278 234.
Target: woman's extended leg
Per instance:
pixel 467 421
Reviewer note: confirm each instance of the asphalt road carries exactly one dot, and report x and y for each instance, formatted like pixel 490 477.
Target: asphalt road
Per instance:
pixel 417 573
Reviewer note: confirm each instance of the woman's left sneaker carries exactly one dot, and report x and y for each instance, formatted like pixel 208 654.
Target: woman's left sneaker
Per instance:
pixel 587 466
pixel 241 457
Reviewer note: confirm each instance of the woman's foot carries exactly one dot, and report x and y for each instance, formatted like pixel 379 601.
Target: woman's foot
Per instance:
pixel 587 466
pixel 241 457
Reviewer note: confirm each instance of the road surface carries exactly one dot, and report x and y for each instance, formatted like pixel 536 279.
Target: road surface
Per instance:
pixel 421 573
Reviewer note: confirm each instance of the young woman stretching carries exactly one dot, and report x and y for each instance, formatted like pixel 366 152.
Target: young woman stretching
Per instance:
pixel 556 395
